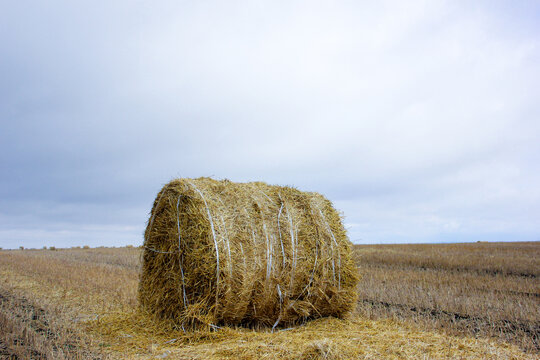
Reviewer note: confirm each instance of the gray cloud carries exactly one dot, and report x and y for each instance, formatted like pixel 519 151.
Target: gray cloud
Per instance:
pixel 419 119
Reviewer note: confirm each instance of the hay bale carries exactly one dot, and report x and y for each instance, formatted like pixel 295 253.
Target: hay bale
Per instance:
pixel 218 252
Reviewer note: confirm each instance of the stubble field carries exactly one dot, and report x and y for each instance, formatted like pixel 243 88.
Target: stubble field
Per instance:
pixel 476 301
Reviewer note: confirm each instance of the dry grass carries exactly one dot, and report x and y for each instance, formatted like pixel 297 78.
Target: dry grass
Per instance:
pixel 520 259
pixel 31 331
pixel 96 280
pixel 93 292
pixel 492 290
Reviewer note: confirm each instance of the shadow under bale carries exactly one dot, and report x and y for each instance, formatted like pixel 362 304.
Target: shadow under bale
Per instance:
pixel 218 252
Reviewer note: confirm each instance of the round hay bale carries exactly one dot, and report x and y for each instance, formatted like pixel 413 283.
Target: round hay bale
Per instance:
pixel 218 252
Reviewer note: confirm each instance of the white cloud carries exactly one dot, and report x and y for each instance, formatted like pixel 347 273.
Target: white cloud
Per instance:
pixel 419 119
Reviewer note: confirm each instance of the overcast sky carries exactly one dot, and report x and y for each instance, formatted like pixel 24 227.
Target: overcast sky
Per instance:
pixel 420 120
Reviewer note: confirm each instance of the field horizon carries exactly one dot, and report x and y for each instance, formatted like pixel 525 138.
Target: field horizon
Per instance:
pixel 354 243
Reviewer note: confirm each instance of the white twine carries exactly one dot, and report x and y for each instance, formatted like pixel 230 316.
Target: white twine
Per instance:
pixel 180 251
pixel 266 195
pixel 226 237
pixel 331 246
pixel 251 226
pixel 280 302
pixel 159 251
pixel 279 231
pixel 253 237
pixel 268 254
pixel 333 263
pixel 314 267
pixel 269 245
pixel 335 242
pixel 293 246
pixel 243 256
pixel 214 236
pixel 310 278
pixel 312 272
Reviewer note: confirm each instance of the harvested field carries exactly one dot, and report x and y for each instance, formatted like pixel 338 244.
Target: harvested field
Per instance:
pixel 415 301
pixel 479 289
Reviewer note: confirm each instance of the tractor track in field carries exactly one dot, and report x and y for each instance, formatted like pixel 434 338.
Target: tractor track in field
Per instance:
pixel 26 332
pixel 513 330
